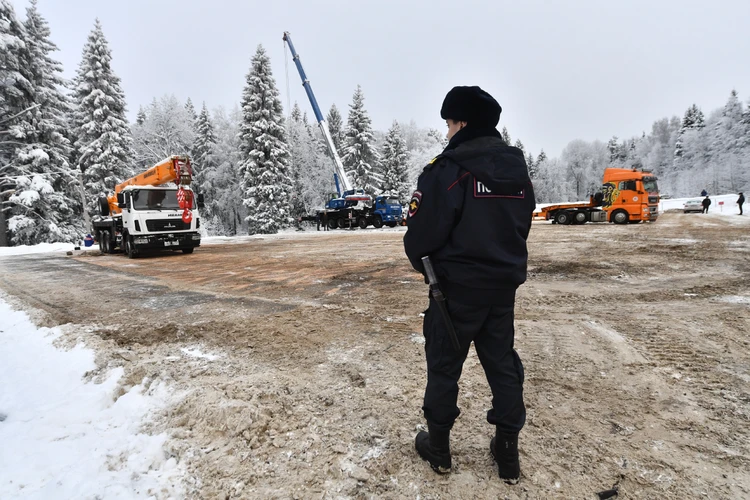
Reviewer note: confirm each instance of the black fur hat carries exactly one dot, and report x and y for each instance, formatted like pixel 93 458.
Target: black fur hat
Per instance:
pixel 471 105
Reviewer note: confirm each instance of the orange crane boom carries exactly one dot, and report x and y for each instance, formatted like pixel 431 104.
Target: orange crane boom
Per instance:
pixel 175 168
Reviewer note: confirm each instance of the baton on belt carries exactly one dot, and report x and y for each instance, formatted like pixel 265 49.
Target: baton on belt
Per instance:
pixel 440 300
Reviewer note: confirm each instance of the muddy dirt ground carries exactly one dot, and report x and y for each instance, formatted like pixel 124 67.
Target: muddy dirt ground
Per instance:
pixel 301 361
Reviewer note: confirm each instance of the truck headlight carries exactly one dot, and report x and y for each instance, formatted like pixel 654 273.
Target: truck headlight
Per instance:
pixel 140 241
pixel 196 236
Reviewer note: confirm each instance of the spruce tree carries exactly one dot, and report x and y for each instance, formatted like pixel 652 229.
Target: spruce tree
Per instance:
pixel 335 127
pixel 615 152
pixel 266 184
pixel 506 136
pixel 395 167
pixel 519 145
pixel 103 142
pixel 140 118
pixel 191 110
pixel 202 150
pixel 531 165
pixel 359 155
pixel 48 205
pixel 542 157
pixel 16 99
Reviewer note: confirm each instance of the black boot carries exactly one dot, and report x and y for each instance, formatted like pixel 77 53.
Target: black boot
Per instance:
pixel 504 449
pixel 434 446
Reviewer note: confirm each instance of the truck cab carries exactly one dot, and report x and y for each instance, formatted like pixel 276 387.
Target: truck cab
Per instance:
pixel 152 219
pixel 630 195
pixel 388 209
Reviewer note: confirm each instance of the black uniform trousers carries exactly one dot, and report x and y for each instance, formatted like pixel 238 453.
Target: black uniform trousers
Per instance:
pixel 491 330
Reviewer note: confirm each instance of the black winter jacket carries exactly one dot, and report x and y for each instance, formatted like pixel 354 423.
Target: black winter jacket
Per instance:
pixel 471 214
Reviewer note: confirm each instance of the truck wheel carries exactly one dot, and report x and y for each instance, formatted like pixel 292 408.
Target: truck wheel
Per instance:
pixel 563 217
pixel 377 222
pixel 331 223
pixel 579 218
pixel 103 206
pixel 619 217
pixel 106 242
pixel 100 239
pixel 362 222
pixel 188 250
pixel 391 224
pixel 341 223
pixel 129 246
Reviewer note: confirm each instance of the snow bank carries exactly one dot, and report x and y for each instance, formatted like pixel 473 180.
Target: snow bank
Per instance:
pixel 729 207
pixel 40 248
pixel 62 437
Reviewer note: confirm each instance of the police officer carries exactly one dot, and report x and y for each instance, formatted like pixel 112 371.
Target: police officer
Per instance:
pixel 471 214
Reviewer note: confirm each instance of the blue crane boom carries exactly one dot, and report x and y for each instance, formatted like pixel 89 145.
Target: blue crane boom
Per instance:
pixel 340 176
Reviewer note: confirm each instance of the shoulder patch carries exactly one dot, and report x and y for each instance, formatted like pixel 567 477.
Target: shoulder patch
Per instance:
pixel 416 200
pixel 433 160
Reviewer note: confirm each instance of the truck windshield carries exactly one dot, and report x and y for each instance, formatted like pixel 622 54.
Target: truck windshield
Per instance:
pixel 649 184
pixel 157 199
pixel 393 201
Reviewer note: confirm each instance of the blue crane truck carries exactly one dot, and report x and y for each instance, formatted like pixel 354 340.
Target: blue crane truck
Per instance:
pixel 348 207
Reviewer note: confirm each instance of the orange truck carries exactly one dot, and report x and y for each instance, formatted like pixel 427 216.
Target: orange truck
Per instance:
pixel 627 196
pixel 153 210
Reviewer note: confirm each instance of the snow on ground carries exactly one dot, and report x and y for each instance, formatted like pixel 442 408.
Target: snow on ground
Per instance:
pixel 63 437
pixel 729 206
pixel 40 248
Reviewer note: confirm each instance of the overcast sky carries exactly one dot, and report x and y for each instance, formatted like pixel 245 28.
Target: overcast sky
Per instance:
pixel 561 70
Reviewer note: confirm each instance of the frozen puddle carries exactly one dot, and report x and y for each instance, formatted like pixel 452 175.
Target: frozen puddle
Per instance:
pixel 735 299
pixel 65 438
pixel 195 352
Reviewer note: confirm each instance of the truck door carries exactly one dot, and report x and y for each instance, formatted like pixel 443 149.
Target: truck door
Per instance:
pixel 630 199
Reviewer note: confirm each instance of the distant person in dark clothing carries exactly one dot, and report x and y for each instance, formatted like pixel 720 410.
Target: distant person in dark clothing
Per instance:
pixel 706 203
pixel 740 201
pixel 704 193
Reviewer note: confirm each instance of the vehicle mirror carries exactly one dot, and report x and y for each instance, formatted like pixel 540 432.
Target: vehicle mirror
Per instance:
pixel 201 202
pixel 120 200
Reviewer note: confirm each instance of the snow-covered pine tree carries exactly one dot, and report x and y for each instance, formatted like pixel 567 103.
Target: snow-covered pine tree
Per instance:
pixel 692 124
pixel 506 136
pixel 613 146
pixel 266 184
pixel 395 167
pixel 141 116
pixel 542 157
pixel 16 97
pixel 48 204
pixel 103 143
pixel 359 154
pixel 296 114
pixel 531 165
pixel 519 145
pixel 191 110
pixel 335 127
pixel 202 150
